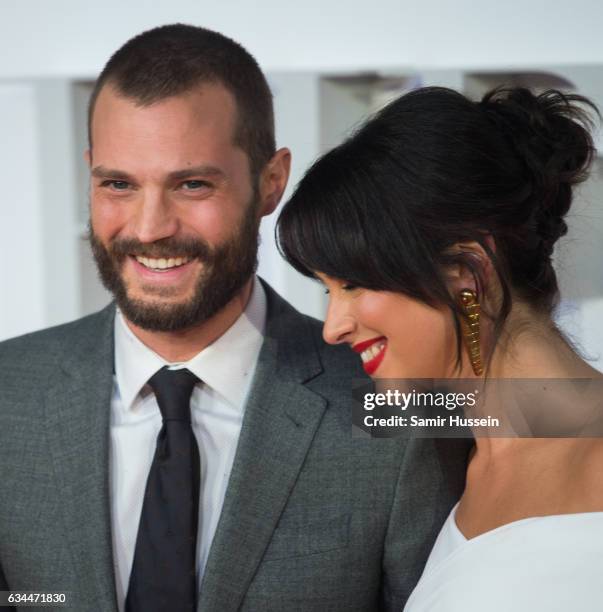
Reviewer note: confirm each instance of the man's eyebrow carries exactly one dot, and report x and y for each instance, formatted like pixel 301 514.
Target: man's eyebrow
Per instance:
pixel 207 171
pixel 108 173
pixel 120 175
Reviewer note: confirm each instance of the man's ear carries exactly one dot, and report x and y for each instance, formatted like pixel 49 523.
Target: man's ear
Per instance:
pixel 273 180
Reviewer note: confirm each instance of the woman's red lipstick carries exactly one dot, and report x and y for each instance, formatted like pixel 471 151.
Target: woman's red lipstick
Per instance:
pixel 371 362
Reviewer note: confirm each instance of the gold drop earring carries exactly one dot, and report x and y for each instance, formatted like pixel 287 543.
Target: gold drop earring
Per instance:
pixel 471 328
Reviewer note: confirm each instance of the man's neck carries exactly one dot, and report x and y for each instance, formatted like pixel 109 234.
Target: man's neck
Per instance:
pixel 182 345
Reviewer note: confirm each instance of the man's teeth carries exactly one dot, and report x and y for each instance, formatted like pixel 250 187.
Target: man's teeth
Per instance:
pixel 162 264
pixel 372 351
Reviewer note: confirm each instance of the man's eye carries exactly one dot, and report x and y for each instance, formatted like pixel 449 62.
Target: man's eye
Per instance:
pixel 116 185
pixel 194 185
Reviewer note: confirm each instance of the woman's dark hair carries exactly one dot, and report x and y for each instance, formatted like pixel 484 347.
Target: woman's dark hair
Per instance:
pixel 433 169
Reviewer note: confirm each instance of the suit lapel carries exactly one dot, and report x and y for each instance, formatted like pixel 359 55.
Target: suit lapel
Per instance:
pixel 281 418
pixel 77 410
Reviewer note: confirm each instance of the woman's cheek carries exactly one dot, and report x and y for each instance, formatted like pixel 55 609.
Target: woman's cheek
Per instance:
pixel 378 310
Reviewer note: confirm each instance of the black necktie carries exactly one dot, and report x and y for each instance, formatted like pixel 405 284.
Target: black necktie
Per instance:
pixel 163 573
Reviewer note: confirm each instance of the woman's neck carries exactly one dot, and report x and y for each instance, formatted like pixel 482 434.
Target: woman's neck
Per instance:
pixel 538 352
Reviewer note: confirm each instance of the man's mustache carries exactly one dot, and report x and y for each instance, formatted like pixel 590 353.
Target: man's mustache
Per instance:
pixel 164 248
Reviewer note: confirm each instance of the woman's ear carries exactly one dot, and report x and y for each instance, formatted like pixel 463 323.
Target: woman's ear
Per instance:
pixel 471 267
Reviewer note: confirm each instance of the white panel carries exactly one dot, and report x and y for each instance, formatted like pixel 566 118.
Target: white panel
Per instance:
pixel 592 331
pixel 296 108
pixel 21 247
pixel 58 199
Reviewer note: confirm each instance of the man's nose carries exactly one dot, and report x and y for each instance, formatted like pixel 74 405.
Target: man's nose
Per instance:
pixel 155 218
pixel 339 325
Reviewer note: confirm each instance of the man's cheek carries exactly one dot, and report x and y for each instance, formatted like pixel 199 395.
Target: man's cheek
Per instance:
pixel 108 216
pixel 215 226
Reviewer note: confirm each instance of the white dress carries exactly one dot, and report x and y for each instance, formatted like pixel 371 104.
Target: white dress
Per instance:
pixel 546 563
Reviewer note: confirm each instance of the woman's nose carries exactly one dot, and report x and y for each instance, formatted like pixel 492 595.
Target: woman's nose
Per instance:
pixel 339 325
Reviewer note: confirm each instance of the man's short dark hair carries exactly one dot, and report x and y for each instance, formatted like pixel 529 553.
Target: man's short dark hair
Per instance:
pixel 174 59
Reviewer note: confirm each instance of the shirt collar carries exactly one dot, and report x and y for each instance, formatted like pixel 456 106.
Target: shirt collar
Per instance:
pixel 227 365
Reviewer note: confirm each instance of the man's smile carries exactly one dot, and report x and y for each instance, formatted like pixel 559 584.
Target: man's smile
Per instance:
pixel 164 271
pixel 162 263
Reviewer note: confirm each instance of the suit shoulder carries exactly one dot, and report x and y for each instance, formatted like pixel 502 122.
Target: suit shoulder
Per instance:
pixel 47 344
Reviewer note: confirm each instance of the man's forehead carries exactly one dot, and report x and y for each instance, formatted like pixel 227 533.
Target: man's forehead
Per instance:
pixel 195 128
pixel 206 102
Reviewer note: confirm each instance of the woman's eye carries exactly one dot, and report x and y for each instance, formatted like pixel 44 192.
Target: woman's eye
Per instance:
pixel 345 287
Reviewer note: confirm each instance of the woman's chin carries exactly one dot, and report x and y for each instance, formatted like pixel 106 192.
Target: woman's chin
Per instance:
pixel 402 373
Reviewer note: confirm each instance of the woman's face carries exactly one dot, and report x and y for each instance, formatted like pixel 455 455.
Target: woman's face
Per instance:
pixel 395 336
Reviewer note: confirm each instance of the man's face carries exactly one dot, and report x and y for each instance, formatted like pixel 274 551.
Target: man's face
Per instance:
pixel 174 216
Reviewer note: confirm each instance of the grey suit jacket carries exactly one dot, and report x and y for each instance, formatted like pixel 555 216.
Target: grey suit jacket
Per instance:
pixel 313 520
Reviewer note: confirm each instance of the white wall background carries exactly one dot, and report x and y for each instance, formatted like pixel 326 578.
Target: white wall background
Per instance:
pixel 47 46
pixel 75 37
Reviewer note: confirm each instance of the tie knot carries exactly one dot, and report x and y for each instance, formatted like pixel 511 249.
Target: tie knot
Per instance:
pixel 173 389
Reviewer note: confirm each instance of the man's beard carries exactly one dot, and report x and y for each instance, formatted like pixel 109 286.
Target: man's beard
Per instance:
pixel 226 269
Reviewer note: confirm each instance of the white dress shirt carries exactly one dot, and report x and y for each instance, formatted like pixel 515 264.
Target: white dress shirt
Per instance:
pixel 226 369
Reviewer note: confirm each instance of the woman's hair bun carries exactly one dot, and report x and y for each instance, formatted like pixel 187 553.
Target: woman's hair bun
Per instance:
pixel 550 133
